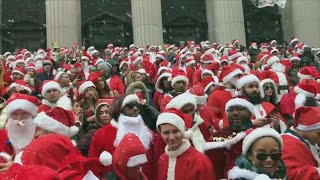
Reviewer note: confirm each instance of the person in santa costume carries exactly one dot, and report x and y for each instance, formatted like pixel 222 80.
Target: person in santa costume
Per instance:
pixel 126 119
pixel 222 94
pixel 300 145
pixel 179 83
pixel 51 92
pixel 249 89
pixel 128 158
pixel 59 154
pixel 261 157
pixel 205 61
pixel 17 171
pixel 310 75
pixel 20 128
pixel 226 143
pixel 162 86
pixel 180 160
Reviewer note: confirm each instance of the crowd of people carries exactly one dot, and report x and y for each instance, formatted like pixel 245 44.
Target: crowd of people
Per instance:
pixel 193 111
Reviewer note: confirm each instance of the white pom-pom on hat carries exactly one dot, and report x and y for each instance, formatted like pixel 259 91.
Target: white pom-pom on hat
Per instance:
pixel 105 158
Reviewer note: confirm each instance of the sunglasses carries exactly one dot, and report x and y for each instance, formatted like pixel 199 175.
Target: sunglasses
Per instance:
pixel 263 156
pixel 266 87
pixel 132 105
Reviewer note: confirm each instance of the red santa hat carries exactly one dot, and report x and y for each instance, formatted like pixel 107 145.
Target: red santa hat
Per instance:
pixel 228 72
pixel 247 79
pixel 129 153
pixel 303 90
pixel 49 85
pixel 22 84
pixel 209 82
pixel 292 40
pixel 38 58
pixel 242 58
pixel 179 75
pixel 142 71
pixel 252 44
pixel 234 41
pixel 86 56
pixel 233 54
pixel 58 75
pixel 17 171
pixel 182 100
pixel 57 120
pixel 31 66
pixel 28 60
pixel 262 56
pixel 307 118
pixel 207 58
pixel 273 41
pixel 198 92
pixel 84 85
pixel 190 61
pixel 23 102
pixel 308 72
pixel 130 98
pixel 16 61
pixel 166 74
pixel 257 134
pixel 224 59
pixel 136 59
pixel 265 81
pixel 94 51
pixel 296 57
pixel 110 45
pixel 263 45
pixel 207 71
pixel 239 102
pixel 123 62
pixel 178 119
pixel 96 62
pixel 160 56
pixel 272 59
pixel 273 50
pixel 18 70
pixel 102 102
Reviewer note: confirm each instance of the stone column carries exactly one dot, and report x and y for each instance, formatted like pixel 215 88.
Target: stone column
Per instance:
pixel 63 19
pixel 1 50
pixel 147 22
pixel 225 21
pixel 286 19
pixel 306 21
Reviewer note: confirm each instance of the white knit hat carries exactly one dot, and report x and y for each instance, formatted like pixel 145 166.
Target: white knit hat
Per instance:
pixel 259 133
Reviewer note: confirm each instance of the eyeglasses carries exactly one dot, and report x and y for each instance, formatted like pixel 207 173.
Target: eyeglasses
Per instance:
pixel 266 87
pixel 263 156
pixel 132 105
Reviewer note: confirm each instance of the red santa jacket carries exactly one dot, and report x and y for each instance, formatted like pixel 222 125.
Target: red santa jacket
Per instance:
pixel 6 149
pixel 298 158
pixel 166 99
pixel 197 76
pixel 186 163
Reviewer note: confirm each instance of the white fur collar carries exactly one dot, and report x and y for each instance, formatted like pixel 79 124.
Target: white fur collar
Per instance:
pixel 46 102
pixel 225 144
pixel 237 173
pixel 179 151
pixel 114 123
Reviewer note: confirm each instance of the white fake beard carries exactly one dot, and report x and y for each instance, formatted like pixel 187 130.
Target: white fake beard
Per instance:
pixel 20 133
pixel 133 125
pixel 38 65
pixel 278 67
pixel 85 64
pixel 246 67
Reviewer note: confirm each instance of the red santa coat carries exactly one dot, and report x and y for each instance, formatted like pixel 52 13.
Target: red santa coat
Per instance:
pixel 299 160
pixel 115 83
pixel 286 104
pixel 6 149
pixel 103 140
pixel 218 100
pixel 166 99
pixel 186 163
pixel 209 118
pixel 197 76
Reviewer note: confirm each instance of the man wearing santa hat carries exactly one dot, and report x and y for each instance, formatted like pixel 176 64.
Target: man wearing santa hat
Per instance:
pixel 179 83
pixel 249 89
pixel 126 119
pixel 180 160
pixel 51 91
pixel 300 145
pixel 20 128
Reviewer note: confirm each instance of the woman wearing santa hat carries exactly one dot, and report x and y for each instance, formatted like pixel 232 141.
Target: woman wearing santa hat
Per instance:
pixel 268 91
pixel 180 160
pixel 261 156
pixel 88 97
pixel 102 87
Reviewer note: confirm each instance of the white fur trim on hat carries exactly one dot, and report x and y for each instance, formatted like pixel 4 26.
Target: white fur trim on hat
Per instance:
pixel 58 75
pixel 105 158
pixel 48 123
pixel 272 60
pixel 159 56
pixel 199 99
pixel 308 128
pixel 22 104
pixel 295 58
pixel 305 76
pixel 181 100
pixel 180 78
pixel 300 100
pixel 240 102
pixel 171 118
pixel 50 85
pixel 17 61
pixel 137 160
pixel 208 86
pixel 85 85
pixel 228 77
pixel 242 58
pixel 137 60
pixel 161 69
pixel 259 133
pixel 263 82
pixel 301 91
pixel 207 71
pixel 247 80
pixel 293 40
pixel 92 52
pixel 16 71
pixel 130 98
pixel 16 85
